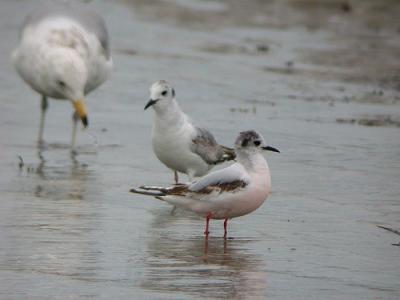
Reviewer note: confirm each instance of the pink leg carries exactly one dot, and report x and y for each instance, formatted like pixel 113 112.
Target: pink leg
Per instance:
pixel 206 232
pixel 225 227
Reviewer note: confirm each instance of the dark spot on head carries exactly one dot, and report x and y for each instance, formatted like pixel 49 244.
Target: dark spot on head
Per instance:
pixel 162 82
pixel 164 93
pixel 246 138
pixel 173 92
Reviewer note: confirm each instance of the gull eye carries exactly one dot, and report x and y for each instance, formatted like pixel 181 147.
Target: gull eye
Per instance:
pixel 61 83
pixel 164 93
pixel 257 143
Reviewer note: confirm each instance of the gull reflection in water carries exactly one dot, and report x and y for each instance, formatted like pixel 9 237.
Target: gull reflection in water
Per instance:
pixel 59 179
pixel 179 261
pixel 58 219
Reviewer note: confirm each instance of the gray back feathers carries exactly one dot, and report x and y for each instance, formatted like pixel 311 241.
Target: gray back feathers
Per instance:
pixel 205 145
pixel 91 21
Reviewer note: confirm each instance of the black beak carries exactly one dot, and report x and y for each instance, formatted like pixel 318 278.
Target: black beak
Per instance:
pixel 150 103
pixel 269 148
pixel 85 121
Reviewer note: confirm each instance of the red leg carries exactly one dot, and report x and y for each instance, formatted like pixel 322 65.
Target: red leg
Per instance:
pixel 205 248
pixel 225 227
pixel 206 232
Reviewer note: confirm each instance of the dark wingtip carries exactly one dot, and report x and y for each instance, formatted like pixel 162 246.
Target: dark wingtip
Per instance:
pixel 147 193
pixel 229 154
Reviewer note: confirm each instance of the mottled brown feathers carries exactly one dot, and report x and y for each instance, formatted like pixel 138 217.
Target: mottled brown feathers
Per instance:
pixel 178 189
pixel 229 153
pixel 182 189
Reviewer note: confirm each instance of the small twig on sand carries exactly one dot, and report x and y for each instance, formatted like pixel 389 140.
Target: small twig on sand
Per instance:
pixel 389 229
pixel 21 162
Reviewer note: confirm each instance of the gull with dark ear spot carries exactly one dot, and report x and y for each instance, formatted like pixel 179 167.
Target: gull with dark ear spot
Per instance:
pixel 177 143
pixel 227 193
pixel 63 53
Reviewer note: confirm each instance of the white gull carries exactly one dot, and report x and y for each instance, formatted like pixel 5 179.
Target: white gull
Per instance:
pixel 227 193
pixel 177 143
pixel 63 53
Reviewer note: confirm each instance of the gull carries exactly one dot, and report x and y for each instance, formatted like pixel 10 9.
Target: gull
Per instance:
pixel 64 54
pixel 177 143
pixel 228 193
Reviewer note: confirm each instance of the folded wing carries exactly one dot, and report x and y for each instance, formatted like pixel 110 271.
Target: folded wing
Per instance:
pixel 205 145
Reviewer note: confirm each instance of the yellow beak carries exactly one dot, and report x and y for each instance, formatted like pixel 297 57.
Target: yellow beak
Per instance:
pixel 81 111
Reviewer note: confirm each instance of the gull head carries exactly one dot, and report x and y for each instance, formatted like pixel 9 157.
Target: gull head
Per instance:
pixel 162 95
pixel 66 79
pixel 250 141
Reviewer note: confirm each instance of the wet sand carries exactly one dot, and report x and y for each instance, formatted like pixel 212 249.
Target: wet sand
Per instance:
pixel 320 82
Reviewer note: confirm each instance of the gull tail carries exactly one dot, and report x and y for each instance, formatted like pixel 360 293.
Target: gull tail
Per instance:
pixel 158 192
pixel 229 154
pixel 175 195
pixel 149 191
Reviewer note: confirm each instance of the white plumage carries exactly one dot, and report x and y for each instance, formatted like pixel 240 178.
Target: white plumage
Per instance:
pixel 227 193
pixel 177 143
pixel 63 53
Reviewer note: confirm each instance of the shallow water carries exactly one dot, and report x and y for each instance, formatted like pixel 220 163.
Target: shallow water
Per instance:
pixel 70 228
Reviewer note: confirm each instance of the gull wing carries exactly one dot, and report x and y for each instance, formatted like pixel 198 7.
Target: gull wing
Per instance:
pixel 205 145
pixel 230 179
pixel 213 187
pixel 80 13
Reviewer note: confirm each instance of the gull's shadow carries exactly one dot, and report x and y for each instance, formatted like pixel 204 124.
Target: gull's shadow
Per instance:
pixel 181 260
